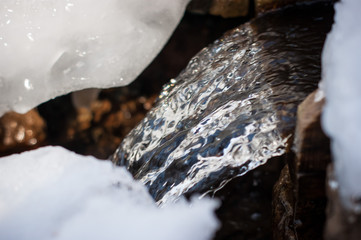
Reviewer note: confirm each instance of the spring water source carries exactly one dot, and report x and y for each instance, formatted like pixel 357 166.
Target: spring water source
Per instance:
pixel 232 109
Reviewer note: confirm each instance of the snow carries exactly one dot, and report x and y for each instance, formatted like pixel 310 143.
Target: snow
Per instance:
pixel 52 193
pixel 52 47
pixel 341 82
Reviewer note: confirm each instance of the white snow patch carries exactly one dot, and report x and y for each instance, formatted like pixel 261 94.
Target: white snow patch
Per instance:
pixel 52 193
pixel 341 82
pixel 52 47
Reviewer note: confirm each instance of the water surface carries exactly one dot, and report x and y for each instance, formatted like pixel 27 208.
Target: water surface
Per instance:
pixel 232 109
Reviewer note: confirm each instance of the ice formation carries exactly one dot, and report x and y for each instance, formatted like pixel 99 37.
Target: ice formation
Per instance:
pixel 341 62
pixel 49 48
pixel 51 193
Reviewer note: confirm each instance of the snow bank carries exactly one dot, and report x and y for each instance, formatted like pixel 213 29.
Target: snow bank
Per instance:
pixel 341 82
pixel 49 48
pixel 51 193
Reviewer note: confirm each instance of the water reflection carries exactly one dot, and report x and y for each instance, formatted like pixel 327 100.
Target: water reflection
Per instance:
pixel 233 107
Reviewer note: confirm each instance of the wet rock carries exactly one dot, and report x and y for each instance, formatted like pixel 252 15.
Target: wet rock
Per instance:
pixel 300 199
pixel 199 6
pixel 283 205
pixel 246 208
pixel 312 150
pixel 341 222
pixel 262 6
pixel 224 8
pixel 240 8
pixel 232 108
pixel 311 145
pixel 19 132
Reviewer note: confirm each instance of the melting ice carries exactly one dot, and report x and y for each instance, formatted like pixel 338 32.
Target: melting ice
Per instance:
pixel 49 48
pixel 52 193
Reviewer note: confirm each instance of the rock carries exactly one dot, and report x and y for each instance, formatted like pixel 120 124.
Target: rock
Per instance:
pixel 246 208
pixel 224 8
pixel 311 145
pixel 312 150
pixel 199 6
pixel 262 6
pixel 300 199
pixel 98 129
pixel 283 205
pixel 19 132
pixel 239 8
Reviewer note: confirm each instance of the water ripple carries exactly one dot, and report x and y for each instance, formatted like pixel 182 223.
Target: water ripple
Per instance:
pixel 232 108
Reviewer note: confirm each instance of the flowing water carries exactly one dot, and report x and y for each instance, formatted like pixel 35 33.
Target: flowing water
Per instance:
pixel 232 109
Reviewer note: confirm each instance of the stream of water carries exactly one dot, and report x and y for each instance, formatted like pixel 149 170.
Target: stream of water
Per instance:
pixel 232 108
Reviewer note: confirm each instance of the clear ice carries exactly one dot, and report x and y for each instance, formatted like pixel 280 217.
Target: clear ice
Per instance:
pixel 232 109
pixel 49 48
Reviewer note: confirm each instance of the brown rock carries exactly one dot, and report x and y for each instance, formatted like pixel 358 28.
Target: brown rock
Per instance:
pixel 199 6
pixel 224 8
pixel 311 145
pixel 283 207
pixel 262 6
pixel 229 8
pixel 312 150
pixel 19 132
pixel 302 189
pixel 99 129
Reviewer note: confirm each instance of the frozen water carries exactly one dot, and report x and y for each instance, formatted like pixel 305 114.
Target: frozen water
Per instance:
pixel 341 62
pixel 49 48
pixel 51 193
